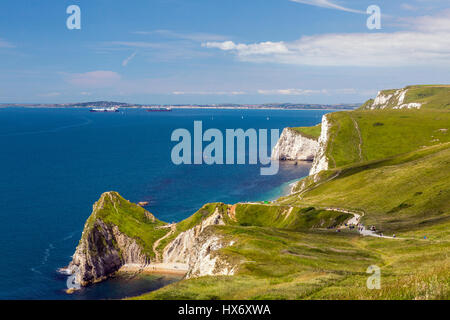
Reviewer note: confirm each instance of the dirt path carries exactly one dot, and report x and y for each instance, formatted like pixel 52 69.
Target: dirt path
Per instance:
pixel 360 139
pixel 356 221
pixel 173 228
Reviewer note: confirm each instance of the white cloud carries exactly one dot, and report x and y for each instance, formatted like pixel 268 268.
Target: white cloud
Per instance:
pixel 440 23
pixel 427 44
pixel 95 79
pixel 291 92
pixel 307 92
pixel 204 93
pixel 128 59
pixel 262 48
pixel 327 4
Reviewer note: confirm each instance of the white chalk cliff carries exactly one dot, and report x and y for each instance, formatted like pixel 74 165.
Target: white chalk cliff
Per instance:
pixel 294 146
pixel 104 249
pixel 386 100
pixel 198 248
pixel 320 160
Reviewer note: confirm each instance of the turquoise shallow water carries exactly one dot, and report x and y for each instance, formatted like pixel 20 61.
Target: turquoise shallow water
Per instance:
pixel 55 164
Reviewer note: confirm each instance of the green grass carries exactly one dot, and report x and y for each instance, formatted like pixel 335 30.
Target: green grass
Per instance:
pixel 384 134
pixel 131 220
pixel 280 264
pixel 393 165
pixel 429 96
pixel 192 221
pixel 309 132
pixel 432 97
pixel 397 194
pixel 289 218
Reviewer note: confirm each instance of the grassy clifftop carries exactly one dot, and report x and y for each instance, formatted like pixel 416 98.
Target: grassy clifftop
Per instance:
pixel 131 219
pixel 419 96
pixel 309 132
pixel 361 136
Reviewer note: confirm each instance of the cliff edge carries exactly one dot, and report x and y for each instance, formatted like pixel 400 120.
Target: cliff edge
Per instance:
pixel 292 145
pixel 115 234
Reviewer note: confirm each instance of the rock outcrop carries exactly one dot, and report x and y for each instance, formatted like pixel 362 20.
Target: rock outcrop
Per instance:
pixel 198 248
pixel 103 249
pixel 392 99
pixel 321 161
pixel 292 145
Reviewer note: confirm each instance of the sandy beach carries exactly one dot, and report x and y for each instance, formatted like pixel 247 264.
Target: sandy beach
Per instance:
pixel 165 268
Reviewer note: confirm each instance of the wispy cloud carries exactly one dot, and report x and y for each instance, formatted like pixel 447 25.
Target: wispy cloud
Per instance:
pixel 128 59
pixel 328 4
pixel 427 44
pixel 196 36
pixel 135 44
pixel 291 92
pixel 206 93
pixel 308 92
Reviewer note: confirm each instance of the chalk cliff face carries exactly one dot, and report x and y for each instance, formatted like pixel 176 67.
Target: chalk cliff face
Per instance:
pixel 321 161
pixel 294 146
pixel 103 249
pixel 197 247
pixel 392 100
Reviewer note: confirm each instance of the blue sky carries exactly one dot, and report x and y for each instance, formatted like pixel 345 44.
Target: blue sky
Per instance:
pixel 219 51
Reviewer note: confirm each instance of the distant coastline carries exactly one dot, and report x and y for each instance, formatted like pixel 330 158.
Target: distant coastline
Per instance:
pixel 269 106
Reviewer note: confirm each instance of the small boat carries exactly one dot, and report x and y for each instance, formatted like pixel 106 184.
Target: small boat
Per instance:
pixel 111 109
pixel 162 109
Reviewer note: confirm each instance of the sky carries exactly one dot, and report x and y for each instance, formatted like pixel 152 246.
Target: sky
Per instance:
pixel 219 51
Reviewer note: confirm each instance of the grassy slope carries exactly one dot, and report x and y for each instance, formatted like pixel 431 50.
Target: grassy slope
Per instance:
pixel 432 97
pixel 309 132
pixel 287 218
pixel 401 179
pixel 403 193
pixel 384 134
pixel 131 220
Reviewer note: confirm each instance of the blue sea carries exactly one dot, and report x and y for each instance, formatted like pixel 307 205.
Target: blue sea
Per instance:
pixel 55 163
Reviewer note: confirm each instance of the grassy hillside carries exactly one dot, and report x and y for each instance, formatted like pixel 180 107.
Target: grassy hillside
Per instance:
pixel 398 194
pixel 428 96
pixel 280 264
pixel 360 136
pixel 131 219
pixel 309 132
pixel 287 217
pixel 391 165
pixel 432 97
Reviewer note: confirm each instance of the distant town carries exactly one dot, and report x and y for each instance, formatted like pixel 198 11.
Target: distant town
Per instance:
pixel 122 105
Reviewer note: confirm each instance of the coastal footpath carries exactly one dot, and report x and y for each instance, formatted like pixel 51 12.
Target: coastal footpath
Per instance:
pixel 380 166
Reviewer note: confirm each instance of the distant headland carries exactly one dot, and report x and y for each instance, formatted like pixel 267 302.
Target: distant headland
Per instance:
pixel 107 104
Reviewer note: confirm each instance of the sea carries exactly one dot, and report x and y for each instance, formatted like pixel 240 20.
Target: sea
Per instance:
pixel 55 163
